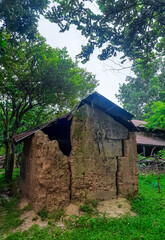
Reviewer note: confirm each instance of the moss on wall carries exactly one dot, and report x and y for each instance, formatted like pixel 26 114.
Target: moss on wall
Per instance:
pixel 96 141
pixel 80 114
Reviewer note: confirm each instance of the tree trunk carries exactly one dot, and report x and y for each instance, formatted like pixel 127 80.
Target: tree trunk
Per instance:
pixel 9 160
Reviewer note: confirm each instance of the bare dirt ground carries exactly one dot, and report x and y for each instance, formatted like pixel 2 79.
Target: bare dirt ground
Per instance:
pixel 114 208
pixel 30 218
pixel 24 203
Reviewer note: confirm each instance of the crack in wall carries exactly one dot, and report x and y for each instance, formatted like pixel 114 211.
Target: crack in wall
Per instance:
pixel 123 151
pixel 117 178
pixel 70 179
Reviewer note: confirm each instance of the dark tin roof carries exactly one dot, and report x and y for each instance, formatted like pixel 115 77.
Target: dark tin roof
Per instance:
pixel 113 110
pixel 97 100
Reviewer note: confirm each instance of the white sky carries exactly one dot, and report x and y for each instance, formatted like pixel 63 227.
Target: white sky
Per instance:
pixel 109 79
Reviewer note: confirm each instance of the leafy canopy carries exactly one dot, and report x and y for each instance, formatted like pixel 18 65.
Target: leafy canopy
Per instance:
pixel 36 79
pixel 138 95
pixel 135 27
pixel 34 74
pixel 21 16
pixel 156 117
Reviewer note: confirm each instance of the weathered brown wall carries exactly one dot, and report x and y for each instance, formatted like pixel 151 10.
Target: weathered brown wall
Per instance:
pixel 127 168
pixel 98 171
pixel 46 178
pixel 102 163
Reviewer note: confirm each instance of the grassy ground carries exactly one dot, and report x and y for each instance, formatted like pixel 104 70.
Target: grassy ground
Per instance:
pixel 149 223
pixel 16 173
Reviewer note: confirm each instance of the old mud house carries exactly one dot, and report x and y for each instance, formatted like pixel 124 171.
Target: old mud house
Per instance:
pixel 89 153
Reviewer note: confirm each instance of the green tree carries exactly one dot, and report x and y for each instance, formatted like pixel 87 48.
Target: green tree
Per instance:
pixel 21 16
pixel 2 145
pixel 156 117
pixel 32 74
pixel 134 27
pixel 139 92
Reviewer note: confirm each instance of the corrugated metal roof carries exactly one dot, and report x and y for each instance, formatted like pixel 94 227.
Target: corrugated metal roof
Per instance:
pixel 149 141
pixel 96 100
pixel 107 106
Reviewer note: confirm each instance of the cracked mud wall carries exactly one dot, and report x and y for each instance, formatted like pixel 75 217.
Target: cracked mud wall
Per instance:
pixel 44 173
pixel 97 147
pixel 128 169
pixel 102 164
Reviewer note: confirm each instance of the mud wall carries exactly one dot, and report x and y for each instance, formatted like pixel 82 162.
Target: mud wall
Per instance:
pixel 127 175
pixel 103 158
pixel 44 173
pixel 102 163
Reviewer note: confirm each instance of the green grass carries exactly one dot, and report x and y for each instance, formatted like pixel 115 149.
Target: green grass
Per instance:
pixel 16 173
pixel 43 213
pixel 55 216
pixel 9 213
pixel 89 207
pixel 149 223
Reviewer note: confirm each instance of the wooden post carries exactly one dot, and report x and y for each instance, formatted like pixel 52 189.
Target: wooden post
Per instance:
pixel 158 176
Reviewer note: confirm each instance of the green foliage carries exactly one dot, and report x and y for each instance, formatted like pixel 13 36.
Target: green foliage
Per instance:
pixel 89 206
pixel 2 145
pixel 161 153
pixel 86 208
pixel 94 203
pixel 43 213
pixel 156 116
pixel 16 174
pixel 133 27
pixel 40 80
pixel 56 215
pixel 37 82
pixel 41 76
pixel 138 93
pixel 2 148
pixel 141 157
pixel 21 16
